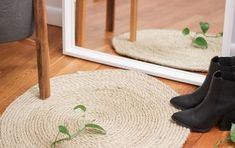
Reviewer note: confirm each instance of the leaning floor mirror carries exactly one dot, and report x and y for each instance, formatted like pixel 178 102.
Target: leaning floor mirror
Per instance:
pixel 171 46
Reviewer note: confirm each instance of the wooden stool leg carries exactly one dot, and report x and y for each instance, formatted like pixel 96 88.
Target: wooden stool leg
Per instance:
pixel 110 15
pixel 133 21
pixel 80 21
pixel 42 48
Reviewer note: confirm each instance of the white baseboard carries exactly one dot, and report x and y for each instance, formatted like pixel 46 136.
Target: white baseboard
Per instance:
pixel 54 15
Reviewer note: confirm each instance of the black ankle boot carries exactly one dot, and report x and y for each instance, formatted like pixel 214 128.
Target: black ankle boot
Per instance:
pixel 217 106
pixel 191 100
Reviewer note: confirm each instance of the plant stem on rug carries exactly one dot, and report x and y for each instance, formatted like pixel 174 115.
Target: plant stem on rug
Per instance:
pixel 230 138
pixel 199 38
pixel 93 128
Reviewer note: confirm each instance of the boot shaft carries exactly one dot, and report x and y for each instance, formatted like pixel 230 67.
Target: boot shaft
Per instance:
pixel 222 64
pixel 222 91
pixel 227 61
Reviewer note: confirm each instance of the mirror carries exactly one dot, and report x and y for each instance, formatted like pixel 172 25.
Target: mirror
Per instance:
pixel 96 44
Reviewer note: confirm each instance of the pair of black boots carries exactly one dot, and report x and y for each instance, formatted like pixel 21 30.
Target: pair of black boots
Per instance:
pixel 211 104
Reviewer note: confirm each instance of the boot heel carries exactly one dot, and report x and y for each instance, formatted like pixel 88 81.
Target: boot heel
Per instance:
pixel 226 122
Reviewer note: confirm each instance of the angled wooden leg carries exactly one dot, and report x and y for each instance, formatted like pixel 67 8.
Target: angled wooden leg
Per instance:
pixel 42 48
pixel 110 15
pixel 133 20
pixel 80 22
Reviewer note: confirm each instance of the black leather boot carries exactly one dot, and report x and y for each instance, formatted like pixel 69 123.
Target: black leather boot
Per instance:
pixel 215 108
pixel 191 100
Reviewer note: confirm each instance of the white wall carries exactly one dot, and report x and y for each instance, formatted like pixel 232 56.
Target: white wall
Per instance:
pixel 233 35
pixel 234 28
pixel 54 12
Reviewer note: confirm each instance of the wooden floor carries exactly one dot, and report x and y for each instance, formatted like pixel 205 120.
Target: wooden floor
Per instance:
pixel 18 60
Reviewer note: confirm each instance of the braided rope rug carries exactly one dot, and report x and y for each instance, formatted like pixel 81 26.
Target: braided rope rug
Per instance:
pixel 133 108
pixel 169 48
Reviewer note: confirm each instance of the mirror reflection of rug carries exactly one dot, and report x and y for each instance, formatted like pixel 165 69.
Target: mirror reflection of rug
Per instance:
pixel 133 108
pixel 168 48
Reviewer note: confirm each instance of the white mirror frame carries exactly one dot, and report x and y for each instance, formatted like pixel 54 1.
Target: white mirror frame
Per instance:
pixel 70 49
pixel 229 29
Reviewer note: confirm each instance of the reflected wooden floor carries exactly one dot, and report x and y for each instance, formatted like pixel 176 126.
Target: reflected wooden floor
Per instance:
pixel 18 60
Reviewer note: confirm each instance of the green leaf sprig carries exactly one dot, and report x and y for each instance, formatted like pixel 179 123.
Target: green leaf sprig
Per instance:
pixel 62 129
pixel 199 39
pixel 82 107
pixel 232 134
pixel 230 138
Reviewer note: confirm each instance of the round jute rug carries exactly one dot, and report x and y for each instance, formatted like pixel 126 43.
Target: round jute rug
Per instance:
pixel 132 107
pixel 169 48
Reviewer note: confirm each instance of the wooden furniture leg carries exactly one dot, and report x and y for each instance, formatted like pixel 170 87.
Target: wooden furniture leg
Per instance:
pixel 133 20
pixel 80 21
pixel 42 48
pixel 110 15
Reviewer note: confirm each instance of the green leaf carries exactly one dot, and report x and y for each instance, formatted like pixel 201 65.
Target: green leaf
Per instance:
pixel 96 131
pixel 82 107
pixel 232 133
pixel 94 126
pixel 219 34
pixel 186 31
pixel 204 26
pixel 64 130
pixel 200 42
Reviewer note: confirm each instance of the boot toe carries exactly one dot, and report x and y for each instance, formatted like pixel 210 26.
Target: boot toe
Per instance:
pixel 181 119
pixel 186 119
pixel 176 103
pixel 181 102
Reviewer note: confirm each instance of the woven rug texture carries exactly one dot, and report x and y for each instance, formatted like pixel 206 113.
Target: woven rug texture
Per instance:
pixel 132 107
